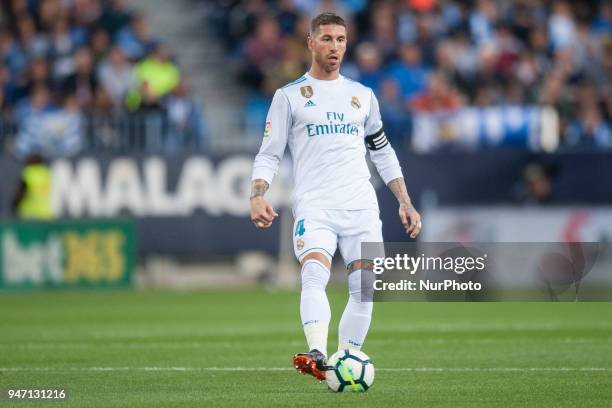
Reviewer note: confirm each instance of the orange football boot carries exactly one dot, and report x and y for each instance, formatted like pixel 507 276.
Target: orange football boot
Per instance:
pixel 313 363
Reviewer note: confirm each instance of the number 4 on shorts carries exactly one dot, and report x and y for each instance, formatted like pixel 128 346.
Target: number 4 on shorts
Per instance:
pixel 299 228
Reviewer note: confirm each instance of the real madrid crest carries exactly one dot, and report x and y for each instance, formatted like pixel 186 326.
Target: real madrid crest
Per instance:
pixel 299 244
pixel 306 91
pixel 355 102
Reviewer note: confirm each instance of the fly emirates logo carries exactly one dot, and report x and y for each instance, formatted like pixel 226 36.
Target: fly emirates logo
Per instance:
pixel 334 126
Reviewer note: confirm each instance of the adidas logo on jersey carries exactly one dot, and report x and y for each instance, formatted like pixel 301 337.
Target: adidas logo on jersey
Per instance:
pixel 309 103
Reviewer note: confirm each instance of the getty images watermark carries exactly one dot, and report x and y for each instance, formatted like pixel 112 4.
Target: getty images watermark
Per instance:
pixel 411 265
pixel 400 271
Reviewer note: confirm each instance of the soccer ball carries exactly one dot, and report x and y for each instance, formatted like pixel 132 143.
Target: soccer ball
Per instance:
pixel 353 371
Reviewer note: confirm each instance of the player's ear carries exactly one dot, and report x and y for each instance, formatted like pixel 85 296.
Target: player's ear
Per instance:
pixel 309 41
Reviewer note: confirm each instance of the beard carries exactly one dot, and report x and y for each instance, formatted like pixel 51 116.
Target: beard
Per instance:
pixel 324 63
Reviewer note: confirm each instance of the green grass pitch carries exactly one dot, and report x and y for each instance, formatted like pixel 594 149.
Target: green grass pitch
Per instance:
pixel 234 348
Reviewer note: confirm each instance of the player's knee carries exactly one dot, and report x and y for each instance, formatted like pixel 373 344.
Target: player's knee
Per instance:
pixel 317 256
pixel 315 274
pixel 355 284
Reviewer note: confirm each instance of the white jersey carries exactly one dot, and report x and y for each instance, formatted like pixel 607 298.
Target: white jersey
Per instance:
pixel 327 125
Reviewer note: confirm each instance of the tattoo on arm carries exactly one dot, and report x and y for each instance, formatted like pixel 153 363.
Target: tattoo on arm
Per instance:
pixel 398 187
pixel 259 188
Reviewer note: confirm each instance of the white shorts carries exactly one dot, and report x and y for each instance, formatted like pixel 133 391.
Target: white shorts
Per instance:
pixel 324 230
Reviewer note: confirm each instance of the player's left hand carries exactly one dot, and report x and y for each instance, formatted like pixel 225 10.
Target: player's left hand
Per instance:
pixel 411 219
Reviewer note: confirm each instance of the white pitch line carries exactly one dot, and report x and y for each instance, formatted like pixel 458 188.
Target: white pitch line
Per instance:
pixel 171 344
pixel 251 369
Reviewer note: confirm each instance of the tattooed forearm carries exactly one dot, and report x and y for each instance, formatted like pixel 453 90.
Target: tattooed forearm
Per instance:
pixel 259 188
pixel 398 187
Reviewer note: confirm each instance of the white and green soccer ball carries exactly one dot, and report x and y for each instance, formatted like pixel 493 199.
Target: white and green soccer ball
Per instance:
pixel 353 371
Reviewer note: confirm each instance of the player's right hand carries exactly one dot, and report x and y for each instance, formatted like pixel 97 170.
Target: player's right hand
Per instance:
pixel 262 213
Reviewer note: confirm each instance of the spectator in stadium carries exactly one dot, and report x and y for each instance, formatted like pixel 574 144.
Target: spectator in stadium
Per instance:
pixel 409 71
pixel 241 21
pixel 426 38
pixel 10 54
pixel 262 51
pixel 512 94
pixel 369 66
pixel 62 48
pixel 83 83
pixel 49 12
pixel 136 39
pixel 508 50
pixel 115 17
pixel 187 126
pixel 48 130
pixel 85 13
pixel 103 103
pixel 465 60
pixel 561 26
pixel 30 43
pixel 104 121
pixel 157 74
pixel 116 75
pixel 38 74
pixel 589 130
pixel 554 93
pixel 445 56
pixel 482 21
pixel 488 73
pixel 16 8
pixel 100 45
pixel 288 68
pixel 38 101
pixel 439 96
pixel 528 73
pixel 602 23
pixel 287 16
pixel 383 30
pixel 486 95
pixel 393 109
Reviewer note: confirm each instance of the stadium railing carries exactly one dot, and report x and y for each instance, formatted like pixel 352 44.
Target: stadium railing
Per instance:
pixel 117 132
pixel 522 127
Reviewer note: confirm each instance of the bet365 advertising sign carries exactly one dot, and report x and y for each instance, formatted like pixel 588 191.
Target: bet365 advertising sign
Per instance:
pixel 94 253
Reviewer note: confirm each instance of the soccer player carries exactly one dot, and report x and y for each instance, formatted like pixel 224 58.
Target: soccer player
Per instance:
pixel 329 122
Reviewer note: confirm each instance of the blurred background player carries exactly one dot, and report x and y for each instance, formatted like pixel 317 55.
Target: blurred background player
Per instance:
pixel 328 121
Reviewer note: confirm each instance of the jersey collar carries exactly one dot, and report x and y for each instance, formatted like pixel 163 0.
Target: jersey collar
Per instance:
pixel 325 81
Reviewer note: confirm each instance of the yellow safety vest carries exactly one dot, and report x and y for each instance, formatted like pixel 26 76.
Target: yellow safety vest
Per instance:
pixel 36 203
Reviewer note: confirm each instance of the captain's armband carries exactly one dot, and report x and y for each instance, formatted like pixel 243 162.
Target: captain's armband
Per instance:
pixel 376 141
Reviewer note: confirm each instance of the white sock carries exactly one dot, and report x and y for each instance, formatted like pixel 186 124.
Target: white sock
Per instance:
pixel 356 318
pixel 314 306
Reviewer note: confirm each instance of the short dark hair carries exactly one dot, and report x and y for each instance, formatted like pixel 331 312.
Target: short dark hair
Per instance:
pixel 325 19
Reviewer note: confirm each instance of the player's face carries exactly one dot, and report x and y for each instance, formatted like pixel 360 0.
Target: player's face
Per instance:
pixel 328 45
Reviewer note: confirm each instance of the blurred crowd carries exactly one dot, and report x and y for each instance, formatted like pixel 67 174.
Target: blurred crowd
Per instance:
pixel 441 55
pixel 75 69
